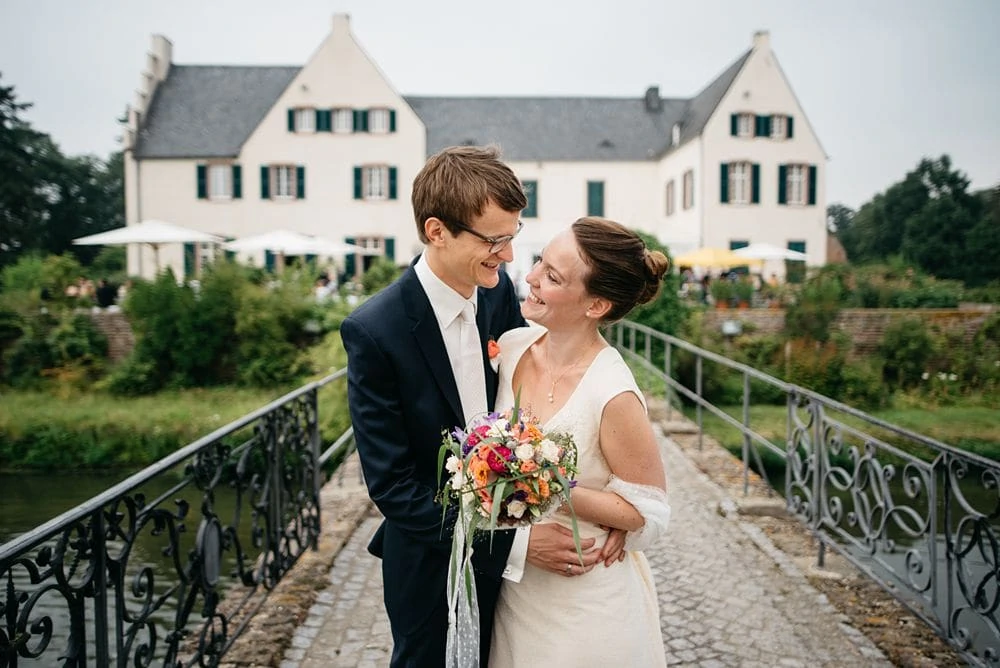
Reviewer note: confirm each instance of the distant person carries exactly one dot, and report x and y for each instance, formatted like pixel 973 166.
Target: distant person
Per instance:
pixel 105 294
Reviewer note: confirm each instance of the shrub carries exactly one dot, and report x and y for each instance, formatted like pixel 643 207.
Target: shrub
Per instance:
pixel 907 346
pixel 68 348
pixel 816 308
pixel 381 273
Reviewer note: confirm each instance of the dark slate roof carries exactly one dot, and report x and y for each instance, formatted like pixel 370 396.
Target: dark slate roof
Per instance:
pixel 550 128
pixel 570 128
pixel 203 111
pixel 208 111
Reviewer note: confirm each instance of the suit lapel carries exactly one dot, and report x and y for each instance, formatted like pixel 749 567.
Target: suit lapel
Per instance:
pixel 427 336
pixel 483 323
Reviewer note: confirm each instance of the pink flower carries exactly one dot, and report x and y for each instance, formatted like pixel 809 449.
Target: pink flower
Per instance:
pixel 497 458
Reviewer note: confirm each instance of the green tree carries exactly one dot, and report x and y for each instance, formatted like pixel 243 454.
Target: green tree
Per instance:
pixel 21 202
pixel 839 218
pixel 982 242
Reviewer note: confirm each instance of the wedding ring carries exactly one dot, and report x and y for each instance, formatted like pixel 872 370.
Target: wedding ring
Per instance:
pixel 569 568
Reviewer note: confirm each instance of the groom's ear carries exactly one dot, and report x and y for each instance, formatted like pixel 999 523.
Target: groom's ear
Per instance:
pixel 435 230
pixel 599 307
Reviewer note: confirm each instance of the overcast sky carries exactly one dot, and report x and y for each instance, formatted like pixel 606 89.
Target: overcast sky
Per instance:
pixel 883 82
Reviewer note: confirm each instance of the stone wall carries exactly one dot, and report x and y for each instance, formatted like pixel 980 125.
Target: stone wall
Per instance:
pixel 118 331
pixel 865 327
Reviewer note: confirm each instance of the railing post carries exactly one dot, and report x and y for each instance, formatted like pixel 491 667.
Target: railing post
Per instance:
pixel 274 502
pixel 819 465
pixel 666 379
pixel 314 452
pixel 102 654
pixel 746 436
pixel 697 385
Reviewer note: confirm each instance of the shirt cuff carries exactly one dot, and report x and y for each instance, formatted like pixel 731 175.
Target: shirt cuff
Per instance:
pixel 518 555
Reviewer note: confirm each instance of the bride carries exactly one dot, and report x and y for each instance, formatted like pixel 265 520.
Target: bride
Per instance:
pixel 591 274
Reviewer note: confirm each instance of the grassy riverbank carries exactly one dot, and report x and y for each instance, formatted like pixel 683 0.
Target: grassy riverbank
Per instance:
pixel 97 430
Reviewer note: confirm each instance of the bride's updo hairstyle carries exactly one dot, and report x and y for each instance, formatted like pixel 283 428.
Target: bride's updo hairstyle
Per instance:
pixel 622 269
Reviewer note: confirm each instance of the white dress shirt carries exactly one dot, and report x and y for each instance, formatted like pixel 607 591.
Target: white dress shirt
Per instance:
pixel 447 306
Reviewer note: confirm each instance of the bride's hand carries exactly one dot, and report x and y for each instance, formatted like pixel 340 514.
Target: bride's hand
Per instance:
pixel 614 547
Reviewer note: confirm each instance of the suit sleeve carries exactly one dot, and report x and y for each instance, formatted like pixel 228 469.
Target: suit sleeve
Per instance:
pixel 374 397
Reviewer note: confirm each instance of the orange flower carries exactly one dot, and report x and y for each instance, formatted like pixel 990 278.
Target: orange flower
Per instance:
pixel 492 348
pixel 543 489
pixel 480 471
pixel 530 496
pixel 529 466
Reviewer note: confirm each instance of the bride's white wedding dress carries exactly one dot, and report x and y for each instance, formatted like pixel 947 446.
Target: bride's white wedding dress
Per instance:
pixel 609 616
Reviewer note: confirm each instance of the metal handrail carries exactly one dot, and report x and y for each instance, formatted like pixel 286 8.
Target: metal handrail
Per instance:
pixel 257 511
pixel 925 529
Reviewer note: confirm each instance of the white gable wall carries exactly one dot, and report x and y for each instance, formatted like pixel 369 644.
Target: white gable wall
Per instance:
pixel 762 88
pixel 682 230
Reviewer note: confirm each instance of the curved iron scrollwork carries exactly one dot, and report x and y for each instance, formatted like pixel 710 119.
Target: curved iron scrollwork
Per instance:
pixel 136 575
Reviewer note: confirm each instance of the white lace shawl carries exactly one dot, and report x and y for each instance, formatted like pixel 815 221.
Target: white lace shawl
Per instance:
pixel 651 502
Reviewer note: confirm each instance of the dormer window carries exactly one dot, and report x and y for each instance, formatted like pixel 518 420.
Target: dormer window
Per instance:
pixel 745 125
pixel 675 135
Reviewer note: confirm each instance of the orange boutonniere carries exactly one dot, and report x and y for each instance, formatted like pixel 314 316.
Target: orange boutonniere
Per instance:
pixel 493 350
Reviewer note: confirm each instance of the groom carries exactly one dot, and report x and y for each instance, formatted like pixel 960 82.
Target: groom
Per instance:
pixel 408 381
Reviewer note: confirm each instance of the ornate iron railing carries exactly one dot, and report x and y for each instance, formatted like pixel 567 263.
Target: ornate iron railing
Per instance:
pixel 920 517
pixel 135 575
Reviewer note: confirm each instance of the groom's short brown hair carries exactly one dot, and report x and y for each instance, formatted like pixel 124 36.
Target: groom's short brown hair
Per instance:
pixel 456 184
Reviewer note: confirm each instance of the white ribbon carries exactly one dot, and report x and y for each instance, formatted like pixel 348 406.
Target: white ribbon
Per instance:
pixel 463 607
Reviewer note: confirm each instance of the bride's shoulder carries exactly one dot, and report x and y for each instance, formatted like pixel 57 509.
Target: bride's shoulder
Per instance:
pixel 521 335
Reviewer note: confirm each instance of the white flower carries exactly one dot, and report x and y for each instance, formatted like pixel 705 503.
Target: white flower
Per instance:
pixel 952 376
pixel 453 465
pixel 516 508
pixel 925 375
pixel 550 451
pixel 942 375
pixel 525 451
pixel 499 428
pixel 997 363
pixel 458 481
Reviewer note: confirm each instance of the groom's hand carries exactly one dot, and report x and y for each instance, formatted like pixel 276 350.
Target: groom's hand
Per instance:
pixel 551 547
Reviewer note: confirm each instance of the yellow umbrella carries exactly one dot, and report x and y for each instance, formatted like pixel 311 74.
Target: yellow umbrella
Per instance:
pixel 714 257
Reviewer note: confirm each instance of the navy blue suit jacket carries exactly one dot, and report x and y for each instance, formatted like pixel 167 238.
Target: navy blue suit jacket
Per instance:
pixel 402 395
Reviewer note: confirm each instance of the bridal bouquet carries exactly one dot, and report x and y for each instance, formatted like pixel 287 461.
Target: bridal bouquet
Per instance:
pixel 504 472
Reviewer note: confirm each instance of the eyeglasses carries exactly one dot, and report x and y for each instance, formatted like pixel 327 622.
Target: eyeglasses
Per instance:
pixel 497 244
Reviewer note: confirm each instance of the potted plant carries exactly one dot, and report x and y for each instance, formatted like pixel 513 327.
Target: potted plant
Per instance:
pixel 722 292
pixel 743 291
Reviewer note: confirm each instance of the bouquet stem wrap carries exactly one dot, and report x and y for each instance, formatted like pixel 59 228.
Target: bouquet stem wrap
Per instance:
pixel 463 606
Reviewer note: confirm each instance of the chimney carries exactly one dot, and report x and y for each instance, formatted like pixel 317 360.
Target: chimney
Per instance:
pixel 762 39
pixel 342 23
pixel 653 101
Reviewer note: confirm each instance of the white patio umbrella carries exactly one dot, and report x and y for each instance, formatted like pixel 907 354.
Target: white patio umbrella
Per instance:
pixel 764 251
pixel 154 233
pixel 287 242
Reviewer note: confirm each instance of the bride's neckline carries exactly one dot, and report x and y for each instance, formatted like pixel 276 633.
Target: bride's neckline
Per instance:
pixel 576 388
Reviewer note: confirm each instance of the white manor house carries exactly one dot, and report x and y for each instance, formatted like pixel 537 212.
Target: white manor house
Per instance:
pixel 331 149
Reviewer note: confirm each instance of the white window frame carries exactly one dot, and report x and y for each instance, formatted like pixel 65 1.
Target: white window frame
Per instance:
pixel 220 181
pixel 779 126
pixel 343 120
pixel 797 184
pixel 375 182
pixel 688 189
pixel 671 202
pixel 746 125
pixel 371 244
pixel 740 182
pixel 378 121
pixel 305 120
pixel 283 184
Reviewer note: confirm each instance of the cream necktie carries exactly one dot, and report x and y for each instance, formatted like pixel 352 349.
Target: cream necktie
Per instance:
pixel 472 380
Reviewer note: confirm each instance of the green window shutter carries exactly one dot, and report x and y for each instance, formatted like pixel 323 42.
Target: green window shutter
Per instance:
pixel 300 182
pixel 755 183
pixel 390 248
pixel 724 183
pixel 291 120
pixel 361 120
pixel 734 245
pixel 322 120
pixel 392 120
pixel 357 183
pixel 392 183
pixel 237 182
pixel 782 184
pixel 788 127
pixel 812 184
pixel 265 182
pixel 189 255
pixel 349 260
pixel 531 191
pixel 734 124
pixel 595 198
pixel 763 126
pixel 269 261
pixel 201 174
